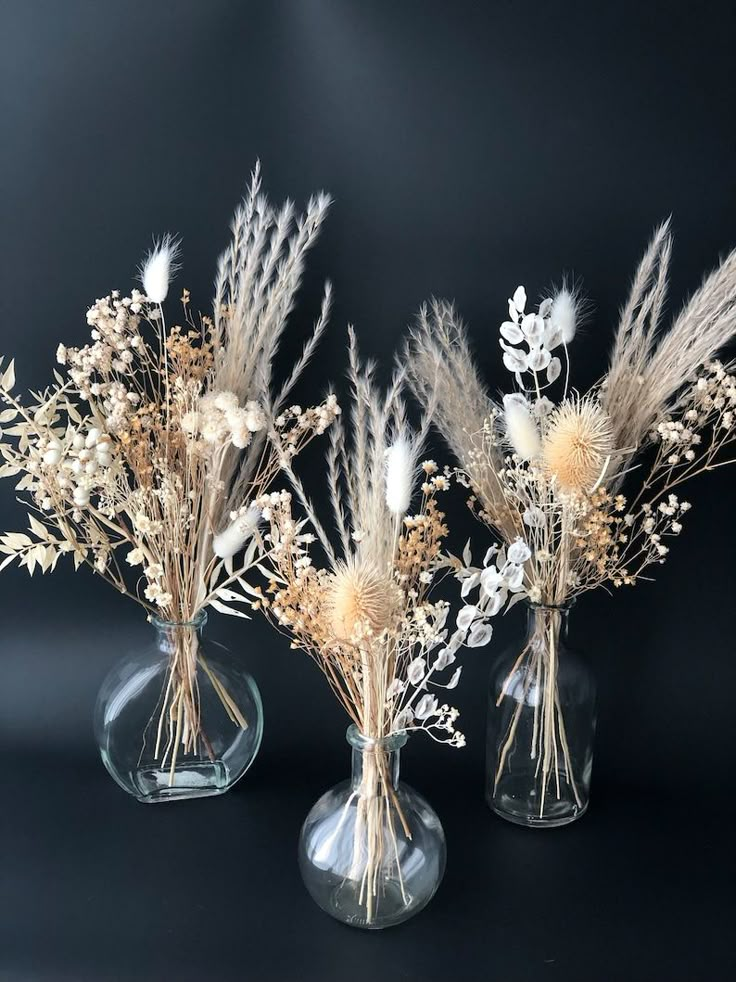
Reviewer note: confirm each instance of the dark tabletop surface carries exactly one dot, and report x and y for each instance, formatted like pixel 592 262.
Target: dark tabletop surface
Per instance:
pixel 95 886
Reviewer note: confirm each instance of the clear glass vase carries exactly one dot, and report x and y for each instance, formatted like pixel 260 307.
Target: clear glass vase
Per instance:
pixel 372 851
pixel 541 725
pixel 179 719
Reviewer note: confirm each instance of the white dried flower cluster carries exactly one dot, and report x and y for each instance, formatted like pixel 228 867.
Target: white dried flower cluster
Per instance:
pixel 553 489
pixel 117 344
pixel 291 424
pixel 219 419
pixel 709 406
pixel 78 463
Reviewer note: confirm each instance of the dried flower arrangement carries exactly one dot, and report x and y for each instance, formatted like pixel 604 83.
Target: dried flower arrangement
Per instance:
pixel 587 482
pixel 144 460
pixel 365 616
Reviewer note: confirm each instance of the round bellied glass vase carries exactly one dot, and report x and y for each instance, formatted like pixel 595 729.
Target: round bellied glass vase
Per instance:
pixel 181 718
pixel 372 851
pixel 541 725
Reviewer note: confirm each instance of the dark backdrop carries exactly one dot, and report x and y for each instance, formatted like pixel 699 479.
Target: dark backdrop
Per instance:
pixel 469 147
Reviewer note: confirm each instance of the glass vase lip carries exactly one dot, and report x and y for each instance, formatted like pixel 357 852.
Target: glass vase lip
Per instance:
pixel 390 743
pixel 562 608
pixel 165 624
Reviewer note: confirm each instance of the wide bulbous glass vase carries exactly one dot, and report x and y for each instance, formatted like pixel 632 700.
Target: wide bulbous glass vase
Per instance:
pixel 541 725
pixel 181 718
pixel 372 851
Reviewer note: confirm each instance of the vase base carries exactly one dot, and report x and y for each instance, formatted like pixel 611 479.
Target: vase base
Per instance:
pixel 192 779
pixel 518 811
pixel 195 779
pixel 344 902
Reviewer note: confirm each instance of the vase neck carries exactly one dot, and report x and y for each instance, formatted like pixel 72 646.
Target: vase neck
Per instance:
pixel 375 762
pixel 545 619
pixel 175 635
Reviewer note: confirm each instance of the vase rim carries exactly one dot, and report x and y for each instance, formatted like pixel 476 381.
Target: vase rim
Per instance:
pixel 198 621
pixel 560 608
pixel 390 743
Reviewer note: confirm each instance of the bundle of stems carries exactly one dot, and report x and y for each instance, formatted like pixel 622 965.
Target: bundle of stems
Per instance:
pixel 144 459
pixel 586 481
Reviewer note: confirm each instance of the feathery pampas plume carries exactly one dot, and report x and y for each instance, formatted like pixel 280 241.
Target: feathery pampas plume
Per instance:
pixel 258 277
pixel 649 369
pixel 159 267
pixel 521 429
pixel 232 539
pixel 442 374
pixel 578 443
pixel 399 466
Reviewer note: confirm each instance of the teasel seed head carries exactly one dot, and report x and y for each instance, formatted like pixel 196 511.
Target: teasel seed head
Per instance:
pixel 577 445
pixel 359 596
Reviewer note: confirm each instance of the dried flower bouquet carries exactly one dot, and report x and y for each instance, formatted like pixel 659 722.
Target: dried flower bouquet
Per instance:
pixel 144 459
pixel 586 481
pixel 365 615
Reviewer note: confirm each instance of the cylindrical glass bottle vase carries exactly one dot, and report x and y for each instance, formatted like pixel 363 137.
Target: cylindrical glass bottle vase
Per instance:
pixel 541 725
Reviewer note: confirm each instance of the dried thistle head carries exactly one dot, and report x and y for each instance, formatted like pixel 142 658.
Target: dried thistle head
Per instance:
pixel 359 596
pixel 577 444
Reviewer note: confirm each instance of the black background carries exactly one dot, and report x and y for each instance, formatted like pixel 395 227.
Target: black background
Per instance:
pixel 469 147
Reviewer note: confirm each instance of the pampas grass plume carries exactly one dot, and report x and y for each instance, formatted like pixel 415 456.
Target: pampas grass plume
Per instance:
pixel 399 465
pixel 521 429
pixel 158 268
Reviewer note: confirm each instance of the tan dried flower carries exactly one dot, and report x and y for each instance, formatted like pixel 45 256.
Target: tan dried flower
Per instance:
pixel 359 596
pixel 577 444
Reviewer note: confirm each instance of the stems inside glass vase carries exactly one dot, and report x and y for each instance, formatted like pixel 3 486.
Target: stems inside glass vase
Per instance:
pixel 179 728
pixel 375 857
pixel 540 771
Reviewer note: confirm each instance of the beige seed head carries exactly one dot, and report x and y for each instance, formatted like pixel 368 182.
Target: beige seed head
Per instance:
pixel 359 596
pixel 577 442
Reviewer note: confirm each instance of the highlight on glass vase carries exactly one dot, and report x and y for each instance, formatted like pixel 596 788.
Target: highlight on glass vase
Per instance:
pixel 144 461
pixel 372 851
pixel 576 490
